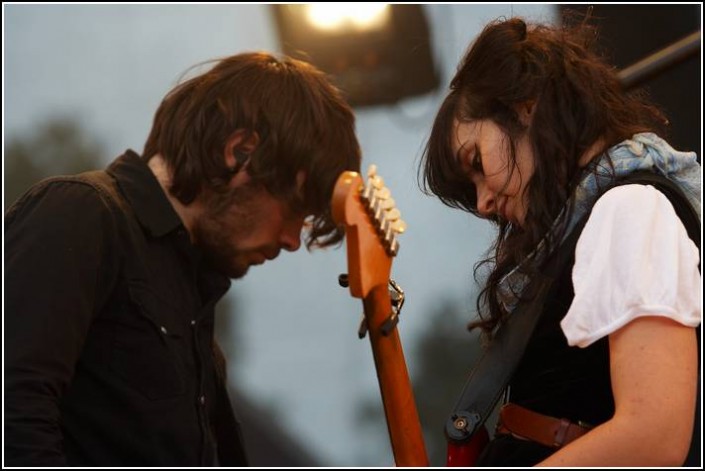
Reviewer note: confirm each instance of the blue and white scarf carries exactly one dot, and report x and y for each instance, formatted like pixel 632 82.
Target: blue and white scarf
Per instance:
pixel 644 151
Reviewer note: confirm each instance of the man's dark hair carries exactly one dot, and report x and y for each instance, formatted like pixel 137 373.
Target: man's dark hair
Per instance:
pixel 301 120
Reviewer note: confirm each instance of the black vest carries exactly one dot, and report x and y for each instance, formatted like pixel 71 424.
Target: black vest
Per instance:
pixel 555 379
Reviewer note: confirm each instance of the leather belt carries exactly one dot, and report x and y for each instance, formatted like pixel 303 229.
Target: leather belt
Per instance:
pixel 543 429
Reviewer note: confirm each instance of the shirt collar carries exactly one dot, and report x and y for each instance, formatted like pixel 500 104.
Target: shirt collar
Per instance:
pixel 145 194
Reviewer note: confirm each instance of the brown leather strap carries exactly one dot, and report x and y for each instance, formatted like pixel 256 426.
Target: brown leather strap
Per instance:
pixel 543 429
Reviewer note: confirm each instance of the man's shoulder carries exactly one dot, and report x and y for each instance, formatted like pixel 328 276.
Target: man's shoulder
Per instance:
pixel 84 192
pixel 97 180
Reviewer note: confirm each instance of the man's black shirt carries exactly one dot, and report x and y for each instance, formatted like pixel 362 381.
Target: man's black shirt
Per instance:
pixel 109 318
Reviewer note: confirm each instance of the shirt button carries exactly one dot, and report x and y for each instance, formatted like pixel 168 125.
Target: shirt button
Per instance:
pixel 163 329
pixel 202 400
pixel 193 322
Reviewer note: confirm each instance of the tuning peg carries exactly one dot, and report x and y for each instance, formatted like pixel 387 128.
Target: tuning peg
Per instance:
pixel 393 214
pixel 368 192
pixel 377 182
pixel 388 203
pixel 371 171
pixel 399 226
pixel 394 247
pixel 362 330
pixel 343 280
pixel 383 193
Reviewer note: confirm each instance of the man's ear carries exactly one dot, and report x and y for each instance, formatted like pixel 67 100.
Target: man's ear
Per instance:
pixel 525 111
pixel 238 149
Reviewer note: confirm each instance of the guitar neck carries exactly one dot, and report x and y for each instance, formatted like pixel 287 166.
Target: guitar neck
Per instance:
pixel 372 224
pixel 395 387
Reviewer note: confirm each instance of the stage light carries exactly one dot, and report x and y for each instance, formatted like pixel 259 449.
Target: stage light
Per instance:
pixel 376 53
pixel 341 16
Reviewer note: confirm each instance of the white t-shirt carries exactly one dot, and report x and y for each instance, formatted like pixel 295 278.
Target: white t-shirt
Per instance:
pixel 634 258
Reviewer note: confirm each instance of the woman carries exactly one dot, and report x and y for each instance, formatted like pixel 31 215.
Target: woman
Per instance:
pixel 537 135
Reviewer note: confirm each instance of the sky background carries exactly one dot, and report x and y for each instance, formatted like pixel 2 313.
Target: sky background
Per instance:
pixel 109 66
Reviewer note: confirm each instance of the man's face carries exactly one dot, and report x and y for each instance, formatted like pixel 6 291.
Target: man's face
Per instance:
pixel 245 227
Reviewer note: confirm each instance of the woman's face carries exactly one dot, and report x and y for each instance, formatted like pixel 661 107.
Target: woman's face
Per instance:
pixel 483 150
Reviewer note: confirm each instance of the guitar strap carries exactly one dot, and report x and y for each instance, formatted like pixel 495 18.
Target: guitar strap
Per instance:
pixel 491 375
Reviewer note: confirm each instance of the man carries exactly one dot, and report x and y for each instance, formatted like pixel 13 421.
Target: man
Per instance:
pixel 112 276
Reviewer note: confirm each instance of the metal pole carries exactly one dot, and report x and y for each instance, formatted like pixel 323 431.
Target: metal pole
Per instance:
pixel 647 68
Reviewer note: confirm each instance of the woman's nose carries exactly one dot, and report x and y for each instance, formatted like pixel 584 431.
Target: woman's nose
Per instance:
pixel 486 204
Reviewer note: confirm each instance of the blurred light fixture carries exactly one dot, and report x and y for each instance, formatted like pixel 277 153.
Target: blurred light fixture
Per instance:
pixel 376 53
pixel 360 16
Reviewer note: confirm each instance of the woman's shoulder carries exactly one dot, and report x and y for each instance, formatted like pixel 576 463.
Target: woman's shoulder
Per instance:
pixel 638 197
pixel 648 143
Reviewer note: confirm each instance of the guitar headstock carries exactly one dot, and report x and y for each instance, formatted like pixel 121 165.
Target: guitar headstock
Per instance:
pixel 372 224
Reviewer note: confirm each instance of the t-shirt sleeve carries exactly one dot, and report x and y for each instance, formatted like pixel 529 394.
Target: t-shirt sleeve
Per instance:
pixel 634 258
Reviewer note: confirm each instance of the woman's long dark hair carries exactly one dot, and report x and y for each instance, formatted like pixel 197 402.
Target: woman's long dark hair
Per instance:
pixel 578 101
pixel 302 121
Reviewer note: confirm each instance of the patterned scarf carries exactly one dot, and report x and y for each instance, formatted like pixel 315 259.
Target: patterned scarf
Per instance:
pixel 644 151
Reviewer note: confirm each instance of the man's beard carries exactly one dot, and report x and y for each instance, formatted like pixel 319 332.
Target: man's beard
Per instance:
pixel 227 217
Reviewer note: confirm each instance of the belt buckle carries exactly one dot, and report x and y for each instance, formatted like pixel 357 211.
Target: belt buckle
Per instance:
pixel 561 433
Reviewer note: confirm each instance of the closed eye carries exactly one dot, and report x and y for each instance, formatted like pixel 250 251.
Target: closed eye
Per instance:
pixel 471 161
pixel 476 161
